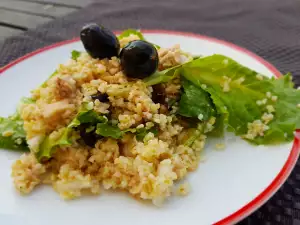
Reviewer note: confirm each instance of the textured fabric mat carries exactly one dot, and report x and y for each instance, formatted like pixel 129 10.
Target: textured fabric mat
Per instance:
pixel 270 28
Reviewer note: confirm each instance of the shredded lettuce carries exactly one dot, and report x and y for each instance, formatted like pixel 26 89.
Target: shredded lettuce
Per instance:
pixel 93 123
pixel 51 142
pixel 162 76
pixel 75 54
pixel 236 93
pixel 128 32
pixel 239 104
pixel 63 137
pixel 195 102
pixel 194 134
pixel 141 133
pixel 107 130
pixel 27 100
pixel 90 117
pixel 166 75
pixel 219 127
pixel 12 134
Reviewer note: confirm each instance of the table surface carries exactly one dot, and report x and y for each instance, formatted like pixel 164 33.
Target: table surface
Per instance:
pixel 17 16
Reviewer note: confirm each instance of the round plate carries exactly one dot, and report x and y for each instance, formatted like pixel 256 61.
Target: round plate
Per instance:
pixel 227 186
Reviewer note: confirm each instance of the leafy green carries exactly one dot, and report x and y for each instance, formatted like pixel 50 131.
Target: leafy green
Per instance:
pixel 85 117
pixel 195 102
pixel 286 111
pixel 27 100
pixel 90 117
pixel 219 126
pixel 239 105
pixel 63 138
pixel 75 54
pixel 128 32
pixel 162 76
pixel 12 134
pixel 166 75
pixel 194 134
pixel 107 130
pixel 141 133
pixel 51 142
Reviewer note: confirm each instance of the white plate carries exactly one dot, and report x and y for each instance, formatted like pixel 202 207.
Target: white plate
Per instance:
pixel 227 186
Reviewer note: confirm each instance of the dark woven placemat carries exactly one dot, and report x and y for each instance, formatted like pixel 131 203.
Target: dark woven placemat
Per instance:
pixel 270 28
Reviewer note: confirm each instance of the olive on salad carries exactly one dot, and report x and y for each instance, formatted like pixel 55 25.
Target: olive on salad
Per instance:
pixel 99 42
pixel 139 59
pixel 102 97
pixel 89 138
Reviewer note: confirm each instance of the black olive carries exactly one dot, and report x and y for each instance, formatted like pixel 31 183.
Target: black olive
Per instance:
pixel 99 42
pixel 102 97
pixel 159 94
pixel 90 138
pixel 139 59
pixel 188 122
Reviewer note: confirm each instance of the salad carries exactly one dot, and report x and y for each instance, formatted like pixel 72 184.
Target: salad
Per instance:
pixel 130 115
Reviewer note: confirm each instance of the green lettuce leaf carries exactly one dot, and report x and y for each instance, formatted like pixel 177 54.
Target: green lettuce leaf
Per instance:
pixel 194 134
pixel 219 127
pixel 64 137
pixel 128 32
pixel 12 134
pixel 107 130
pixel 90 117
pixel 141 133
pixel 27 100
pixel 239 103
pixel 166 75
pixel 162 76
pixel 195 102
pixel 286 111
pixel 51 142
pixel 75 54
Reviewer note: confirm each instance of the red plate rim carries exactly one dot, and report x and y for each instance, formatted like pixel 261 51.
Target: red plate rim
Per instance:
pixel 266 194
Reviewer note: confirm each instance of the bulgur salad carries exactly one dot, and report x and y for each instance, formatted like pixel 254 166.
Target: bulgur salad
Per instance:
pixel 130 115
